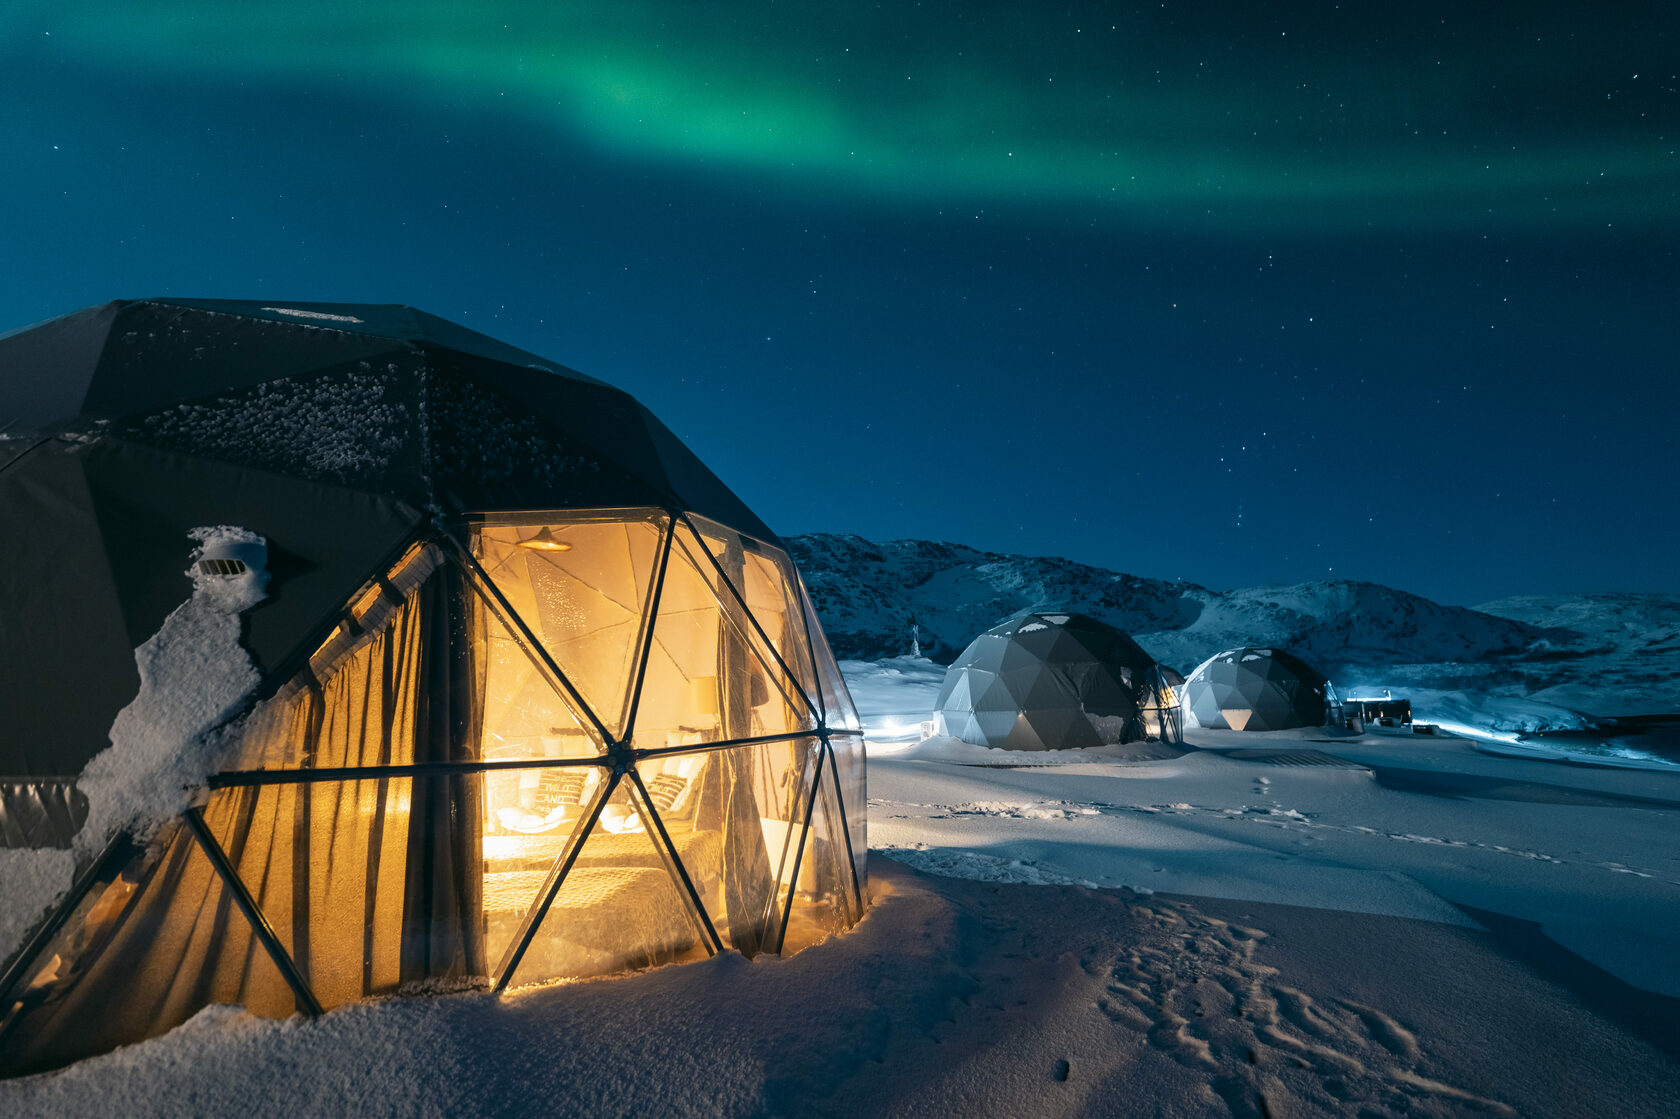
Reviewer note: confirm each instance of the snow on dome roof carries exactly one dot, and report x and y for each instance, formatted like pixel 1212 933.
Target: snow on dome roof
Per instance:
pixel 294 312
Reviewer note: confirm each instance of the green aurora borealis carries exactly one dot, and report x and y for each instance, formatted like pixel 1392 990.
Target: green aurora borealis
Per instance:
pixel 1236 116
pixel 1240 293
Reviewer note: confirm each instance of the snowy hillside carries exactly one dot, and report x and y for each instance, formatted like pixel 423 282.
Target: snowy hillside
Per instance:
pixel 1341 626
pixel 1607 654
pixel 1623 651
pixel 1625 622
pixel 866 593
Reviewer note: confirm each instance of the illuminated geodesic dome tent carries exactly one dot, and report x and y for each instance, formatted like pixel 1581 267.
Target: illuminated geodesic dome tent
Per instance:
pixel 476 677
pixel 1159 703
pixel 1256 689
pixel 1046 681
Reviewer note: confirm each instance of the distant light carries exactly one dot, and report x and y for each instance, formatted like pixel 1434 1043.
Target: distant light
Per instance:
pixel 545 541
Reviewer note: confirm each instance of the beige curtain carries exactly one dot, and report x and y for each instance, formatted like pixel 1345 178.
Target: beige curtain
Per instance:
pixel 370 884
pixel 747 875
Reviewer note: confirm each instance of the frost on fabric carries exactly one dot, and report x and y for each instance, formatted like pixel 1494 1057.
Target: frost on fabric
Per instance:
pixel 338 428
pixel 31 881
pixel 475 433
pixel 194 675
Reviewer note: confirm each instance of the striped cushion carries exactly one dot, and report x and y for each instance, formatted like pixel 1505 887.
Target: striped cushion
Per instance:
pixel 665 789
pixel 558 787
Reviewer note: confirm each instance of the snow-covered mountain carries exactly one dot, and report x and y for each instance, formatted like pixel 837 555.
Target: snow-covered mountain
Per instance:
pixel 1621 650
pixel 867 593
pixel 1602 653
pixel 1616 621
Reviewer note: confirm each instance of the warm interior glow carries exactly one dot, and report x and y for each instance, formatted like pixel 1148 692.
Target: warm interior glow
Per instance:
pixel 713 673
pixel 377 882
pixel 588 606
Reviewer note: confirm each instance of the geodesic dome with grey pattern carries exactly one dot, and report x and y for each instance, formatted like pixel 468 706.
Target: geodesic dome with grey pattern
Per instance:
pixel 1255 689
pixel 1046 681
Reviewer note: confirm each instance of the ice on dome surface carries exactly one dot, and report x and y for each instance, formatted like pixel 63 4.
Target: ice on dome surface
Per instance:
pixel 340 427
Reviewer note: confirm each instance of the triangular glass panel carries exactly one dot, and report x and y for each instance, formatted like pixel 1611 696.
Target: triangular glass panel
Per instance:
pixel 848 751
pixel 529 814
pixel 617 906
pixel 822 897
pixel 145 950
pixel 785 807
pixel 727 812
pixel 582 585
pixel 763 577
pixel 526 713
pixel 838 712
pixel 708 676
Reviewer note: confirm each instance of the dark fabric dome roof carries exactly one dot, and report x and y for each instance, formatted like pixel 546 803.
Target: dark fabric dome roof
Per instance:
pixel 1045 681
pixel 335 430
pixel 1256 689
pixel 383 399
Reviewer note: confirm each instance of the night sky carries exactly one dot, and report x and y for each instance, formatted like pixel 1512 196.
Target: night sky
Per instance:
pixel 1234 293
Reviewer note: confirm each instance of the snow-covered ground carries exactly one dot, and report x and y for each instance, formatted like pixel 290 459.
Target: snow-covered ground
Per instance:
pixel 1292 923
pixel 953 997
pixel 1375 828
